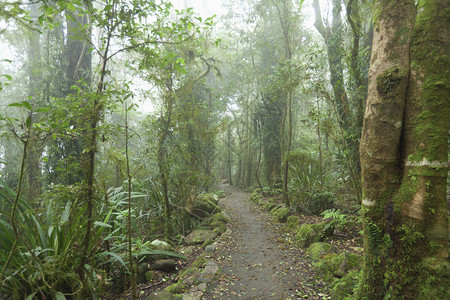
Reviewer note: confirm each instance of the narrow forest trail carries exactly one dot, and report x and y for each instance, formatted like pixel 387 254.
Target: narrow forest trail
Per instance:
pixel 255 262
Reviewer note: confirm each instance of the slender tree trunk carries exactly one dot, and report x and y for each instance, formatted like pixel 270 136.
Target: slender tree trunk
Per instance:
pixel 34 152
pixel 88 158
pixel 258 163
pixel 248 150
pixel 230 177
pixel 404 152
pixel 164 169
pixel 130 242
pixel 319 144
pixel 331 37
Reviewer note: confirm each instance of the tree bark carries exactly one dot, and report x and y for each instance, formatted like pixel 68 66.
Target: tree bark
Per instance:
pixel 404 152
pixel 34 149
pixel 332 37
pixel 230 177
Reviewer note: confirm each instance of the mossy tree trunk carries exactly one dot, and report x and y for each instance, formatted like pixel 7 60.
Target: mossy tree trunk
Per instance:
pixel 404 152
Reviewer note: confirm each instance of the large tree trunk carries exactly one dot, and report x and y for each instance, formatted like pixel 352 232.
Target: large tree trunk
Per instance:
pixel 404 152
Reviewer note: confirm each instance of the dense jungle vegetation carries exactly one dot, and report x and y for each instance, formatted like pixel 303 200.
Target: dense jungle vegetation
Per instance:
pixel 118 117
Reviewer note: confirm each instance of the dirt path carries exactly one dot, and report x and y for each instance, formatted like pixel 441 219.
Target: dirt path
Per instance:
pixel 255 262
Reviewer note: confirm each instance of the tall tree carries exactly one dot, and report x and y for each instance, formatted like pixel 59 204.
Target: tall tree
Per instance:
pixel 332 37
pixel 404 152
pixel 34 152
pixel 348 123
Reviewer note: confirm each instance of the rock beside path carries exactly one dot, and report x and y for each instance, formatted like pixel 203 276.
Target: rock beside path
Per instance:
pixel 199 236
pixel 165 265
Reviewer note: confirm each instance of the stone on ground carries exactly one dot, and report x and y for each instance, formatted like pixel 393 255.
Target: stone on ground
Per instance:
pixel 319 249
pixel 204 206
pixel 199 236
pixel 310 233
pixel 161 245
pixel 165 265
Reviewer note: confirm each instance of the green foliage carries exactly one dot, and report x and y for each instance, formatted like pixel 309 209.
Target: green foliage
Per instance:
pixel 309 233
pixel 47 251
pixel 43 260
pixel 377 239
pixel 310 193
pixel 337 219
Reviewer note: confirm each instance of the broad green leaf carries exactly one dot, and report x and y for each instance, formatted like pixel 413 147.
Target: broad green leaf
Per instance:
pixel 30 296
pixel 24 104
pixel 60 296
pixel 66 212
pixel 116 256
pixel 101 224
pixel 9 77
pixel 28 122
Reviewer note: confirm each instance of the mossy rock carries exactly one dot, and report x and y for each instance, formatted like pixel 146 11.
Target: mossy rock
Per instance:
pixel 200 262
pixel 219 217
pixel 149 276
pixel 198 237
pixel 205 205
pixel 282 214
pixel 160 245
pixel 319 249
pixel 339 265
pixel 220 228
pixel 309 233
pixel 206 243
pixel 191 272
pixel 177 288
pixel 221 194
pixel 208 197
pixel 293 222
pixel 344 287
pixel 186 251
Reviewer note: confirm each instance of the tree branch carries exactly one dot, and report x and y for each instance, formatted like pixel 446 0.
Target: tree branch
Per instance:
pixel 318 23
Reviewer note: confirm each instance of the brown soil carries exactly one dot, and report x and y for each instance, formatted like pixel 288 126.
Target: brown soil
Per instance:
pixel 258 260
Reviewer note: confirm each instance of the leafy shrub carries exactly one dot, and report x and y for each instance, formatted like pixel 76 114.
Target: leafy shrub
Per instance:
pixel 316 202
pixel 42 263
pixel 337 219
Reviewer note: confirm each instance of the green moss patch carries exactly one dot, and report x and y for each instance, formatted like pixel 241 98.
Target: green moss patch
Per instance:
pixel 389 81
pixel 339 265
pixel 177 288
pixel 293 222
pixel 309 233
pixel 344 288
pixel 318 250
